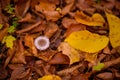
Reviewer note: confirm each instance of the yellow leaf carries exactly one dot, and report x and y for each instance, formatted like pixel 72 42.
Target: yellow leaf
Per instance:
pixel 50 77
pixel 95 20
pixel 114 25
pixel 87 41
pixel 9 40
pixel 70 52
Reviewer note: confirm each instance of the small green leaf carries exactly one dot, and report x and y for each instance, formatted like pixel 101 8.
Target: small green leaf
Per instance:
pixel 9 9
pixel 11 29
pixel 8 40
pixel 99 66
pixel 1 26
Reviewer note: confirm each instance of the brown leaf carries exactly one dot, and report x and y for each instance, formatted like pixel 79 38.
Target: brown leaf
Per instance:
pixel 39 28
pixel 29 42
pixel 28 18
pixel 73 28
pixel 106 50
pixel 52 15
pixel 59 58
pixel 28 28
pixel 80 77
pixel 10 54
pixel 19 56
pixel 105 76
pixel 85 6
pixel 51 29
pixel 21 10
pixel 46 55
pixel 67 22
pixel 19 73
pixel 45 5
pixel 3 73
pixel 67 8
pixel 3 32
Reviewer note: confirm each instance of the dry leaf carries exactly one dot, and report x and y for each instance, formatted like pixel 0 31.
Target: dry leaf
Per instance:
pixel 114 25
pixel 95 20
pixel 29 42
pixel 73 28
pixel 70 52
pixel 91 57
pixel 87 41
pixel 59 58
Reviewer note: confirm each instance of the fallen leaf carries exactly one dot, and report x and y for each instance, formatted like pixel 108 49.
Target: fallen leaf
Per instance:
pixel 67 22
pixel 19 56
pixel 29 42
pixel 50 77
pixel 105 76
pixel 95 20
pixel 3 32
pixel 46 55
pixel 73 28
pixel 51 29
pixel 45 5
pixel 8 40
pixel 99 66
pixel 52 15
pixel 70 52
pixel 87 41
pixel 21 10
pixel 114 34
pixel 91 57
pixel 59 58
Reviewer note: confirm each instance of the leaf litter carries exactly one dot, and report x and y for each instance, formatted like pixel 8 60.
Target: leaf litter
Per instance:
pixel 84 39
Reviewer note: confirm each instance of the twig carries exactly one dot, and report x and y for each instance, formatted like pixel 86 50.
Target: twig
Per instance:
pixel 69 70
pixel 111 63
pixel 29 28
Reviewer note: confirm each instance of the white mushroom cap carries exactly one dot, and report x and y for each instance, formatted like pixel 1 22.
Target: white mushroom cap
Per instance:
pixel 42 42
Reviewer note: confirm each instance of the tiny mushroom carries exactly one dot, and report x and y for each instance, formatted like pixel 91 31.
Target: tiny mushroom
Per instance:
pixel 42 42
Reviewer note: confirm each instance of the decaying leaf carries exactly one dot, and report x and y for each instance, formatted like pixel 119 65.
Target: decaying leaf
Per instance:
pixel 9 40
pixel 70 52
pixel 50 77
pixel 95 20
pixel 87 41
pixel 114 25
pixel 99 66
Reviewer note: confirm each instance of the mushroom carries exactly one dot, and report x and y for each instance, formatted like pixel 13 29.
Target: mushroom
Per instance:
pixel 42 42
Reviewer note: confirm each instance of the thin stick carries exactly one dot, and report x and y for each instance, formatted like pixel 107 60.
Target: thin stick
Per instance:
pixel 29 28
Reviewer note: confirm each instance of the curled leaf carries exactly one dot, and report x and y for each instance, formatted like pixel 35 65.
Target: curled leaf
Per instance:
pixel 50 77
pixel 87 41
pixel 114 25
pixel 95 20
pixel 9 40
pixel 70 52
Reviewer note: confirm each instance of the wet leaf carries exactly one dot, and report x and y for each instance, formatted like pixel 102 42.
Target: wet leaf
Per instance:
pixel 95 20
pixel 99 66
pixel 70 52
pixel 9 40
pixel 87 41
pixel 50 77
pixel 114 25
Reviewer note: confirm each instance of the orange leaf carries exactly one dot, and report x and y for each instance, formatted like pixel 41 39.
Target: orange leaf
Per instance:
pixel 95 20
